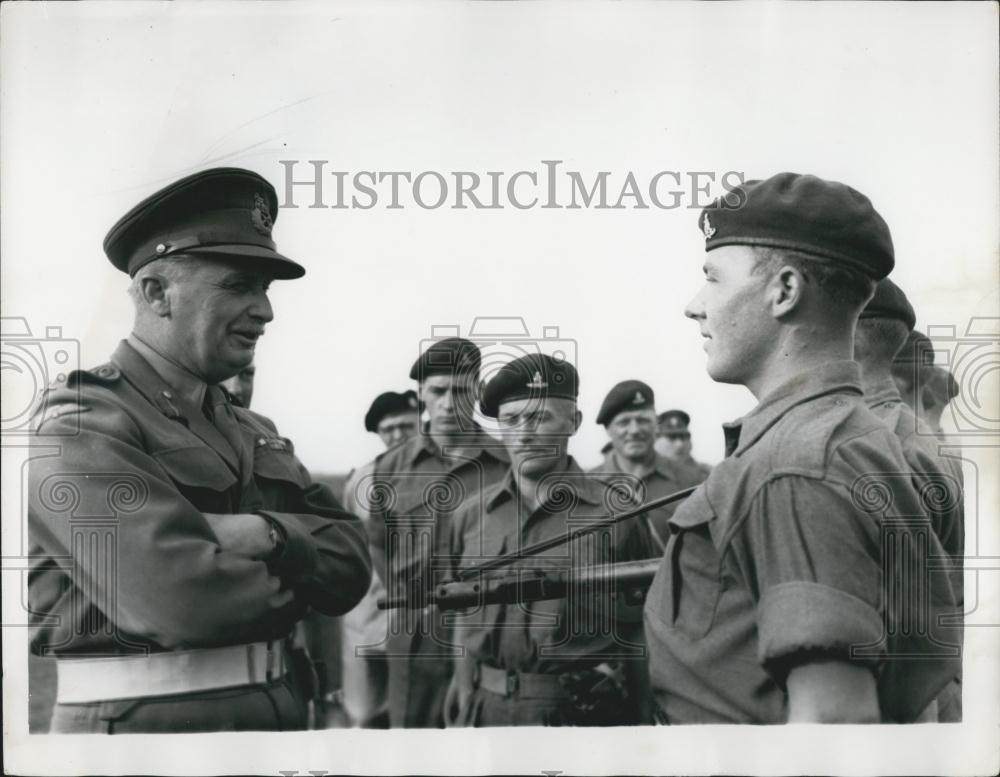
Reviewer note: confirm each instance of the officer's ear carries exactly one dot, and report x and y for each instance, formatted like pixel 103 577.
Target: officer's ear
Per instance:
pixel 153 290
pixel 785 291
pixel 577 419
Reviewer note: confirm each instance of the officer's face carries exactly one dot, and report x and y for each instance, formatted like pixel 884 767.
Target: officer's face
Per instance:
pixel 241 385
pixel 449 401
pixel 731 311
pixel 393 429
pixel 675 445
pixel 217 314
pixel 536 432
pixel 633 433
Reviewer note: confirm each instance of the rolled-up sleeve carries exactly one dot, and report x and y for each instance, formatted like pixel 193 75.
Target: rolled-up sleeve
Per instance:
pixel 811 560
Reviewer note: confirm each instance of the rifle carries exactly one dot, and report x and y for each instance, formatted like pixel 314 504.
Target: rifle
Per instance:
pixel 632 578
pixel 537 585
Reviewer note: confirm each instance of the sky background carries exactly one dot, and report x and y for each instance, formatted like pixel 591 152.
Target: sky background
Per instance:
pixel 103 104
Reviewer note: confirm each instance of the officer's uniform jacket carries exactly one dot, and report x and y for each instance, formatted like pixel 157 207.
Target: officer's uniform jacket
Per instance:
pixel 808 539
pixel 123 560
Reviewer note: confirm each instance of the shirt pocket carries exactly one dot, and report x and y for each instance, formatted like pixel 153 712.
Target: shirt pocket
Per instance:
pixel 274 459
pixel 694 565
pixel 200 475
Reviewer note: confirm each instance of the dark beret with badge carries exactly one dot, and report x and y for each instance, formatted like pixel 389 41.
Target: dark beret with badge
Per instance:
pixel 889 301
pixel 225 212
pixel 450 356
pixel 627 395
pixel 822 219
pixel 673 422
pixel 535 376
pixel 389 403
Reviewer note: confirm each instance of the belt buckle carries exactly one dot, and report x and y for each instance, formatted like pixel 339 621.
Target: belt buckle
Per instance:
pixel 512 683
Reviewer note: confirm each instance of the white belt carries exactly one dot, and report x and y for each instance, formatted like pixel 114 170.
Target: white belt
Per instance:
pixel 84 680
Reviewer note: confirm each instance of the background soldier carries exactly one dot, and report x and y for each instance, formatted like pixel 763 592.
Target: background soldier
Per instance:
pixel 628 413
pixel 674 443
pixel 546 663
pixel 881 333
pixel 769 605
pixel 394 417
pixel 416 487
pixel 240 386
pixel 220 542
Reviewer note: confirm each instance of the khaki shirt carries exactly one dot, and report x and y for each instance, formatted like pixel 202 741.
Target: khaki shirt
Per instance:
pixel 938 479
pixel 799 543
pixel 661 481
pixel 558 635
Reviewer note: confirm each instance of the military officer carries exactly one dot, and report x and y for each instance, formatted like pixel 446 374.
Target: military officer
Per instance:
pixel 414 490
pixel 771 603
pixel 394 417
pixel 882 331
pixel 572 661
pixel 176 538
pixel 628 413
pixel 674 443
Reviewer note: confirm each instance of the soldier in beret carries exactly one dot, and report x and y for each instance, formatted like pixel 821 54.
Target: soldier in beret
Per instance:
pixel 240 386
pixel 194 540
pixel 394 417
pixel 574 661
pixel 674 442
pixel 628 413
pixel 411 496
pixel 770 604
pixel 882 331
pixel 925 387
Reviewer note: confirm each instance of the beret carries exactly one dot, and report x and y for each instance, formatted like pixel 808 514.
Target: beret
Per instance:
pixel 224 212
pixel 535 376
pixel 940 387
pixel 673 421
pixel 627 395
pixel 450 356
pixel 890 302
pixel 917 349
pixel 389 403
pixel 824 219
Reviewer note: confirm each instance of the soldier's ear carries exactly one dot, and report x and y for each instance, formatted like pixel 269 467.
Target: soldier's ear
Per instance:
pixel 578 419
pixel 785 291
pixel 153 289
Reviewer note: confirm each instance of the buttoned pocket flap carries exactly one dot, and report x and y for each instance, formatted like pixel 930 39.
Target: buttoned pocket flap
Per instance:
pixel 197 467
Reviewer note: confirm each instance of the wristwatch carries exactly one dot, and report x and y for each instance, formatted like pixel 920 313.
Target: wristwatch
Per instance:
pixel 277 537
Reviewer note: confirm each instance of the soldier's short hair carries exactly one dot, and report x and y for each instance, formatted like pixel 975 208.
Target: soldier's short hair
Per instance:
pixel 171 267
pixel 839 283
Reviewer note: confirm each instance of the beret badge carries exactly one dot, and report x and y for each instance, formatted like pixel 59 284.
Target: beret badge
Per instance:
pixel 707 227
pixel 260 216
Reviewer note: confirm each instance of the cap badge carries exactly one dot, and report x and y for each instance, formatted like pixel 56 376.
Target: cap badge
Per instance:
pixel 638 399
pixel 260 216
pixel 707 227
pixel 537 382
pixel 411 401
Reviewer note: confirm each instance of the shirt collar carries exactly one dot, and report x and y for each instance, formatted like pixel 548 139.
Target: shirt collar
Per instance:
pixel 829 378
pixel 588 489
pixel 480 444
pixel 883 392
pixel 187 387
pixel 661 466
